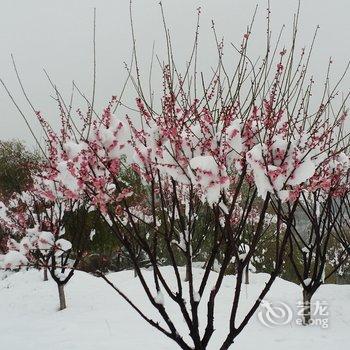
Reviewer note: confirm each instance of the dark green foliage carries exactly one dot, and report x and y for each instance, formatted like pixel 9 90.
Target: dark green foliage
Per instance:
pixel 16 163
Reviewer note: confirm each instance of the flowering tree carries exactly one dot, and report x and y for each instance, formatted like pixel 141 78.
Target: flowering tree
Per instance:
pixel 323 208
pixel 225 150
pixel 35 220
pixel 338 259
pixel 340 251
pixel 243 147
pixel 343 225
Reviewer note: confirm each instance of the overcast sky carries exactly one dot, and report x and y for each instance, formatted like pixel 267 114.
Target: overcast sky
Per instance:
pixel 57 36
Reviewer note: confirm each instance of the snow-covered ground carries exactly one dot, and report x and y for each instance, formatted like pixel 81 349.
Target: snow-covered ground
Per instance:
pixel 97 318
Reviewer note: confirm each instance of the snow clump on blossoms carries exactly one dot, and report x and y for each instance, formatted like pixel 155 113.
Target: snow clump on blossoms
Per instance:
pixel 280 166
pixel 206 173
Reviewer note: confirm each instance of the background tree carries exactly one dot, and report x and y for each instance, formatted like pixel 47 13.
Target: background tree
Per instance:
pixel 16 166
pixel 37 220
pixel 323 209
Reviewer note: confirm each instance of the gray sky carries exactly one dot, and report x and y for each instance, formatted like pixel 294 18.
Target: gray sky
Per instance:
pixel 57 36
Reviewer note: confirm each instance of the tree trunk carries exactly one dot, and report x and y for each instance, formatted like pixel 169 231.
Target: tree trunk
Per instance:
pixel 246 280
pixel 62 297
pixel 227 344
pixel 306 308
pixel 46 278
pixel 188 273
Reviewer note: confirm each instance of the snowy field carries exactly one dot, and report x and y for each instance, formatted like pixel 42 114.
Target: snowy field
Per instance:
pixel 97 318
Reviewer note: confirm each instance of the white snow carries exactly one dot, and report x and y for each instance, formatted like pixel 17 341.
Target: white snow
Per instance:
pixel 196 297
pixel 73 149
pixel 159 298
pixel 46 240
pixel 254 158
pixel 289 166
pixel 63 245
pixel 65 176
pixel 13 260
pixel 206 173
pixel 92 234
pixel 97 317
pixel 234 139
pixel 307 281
